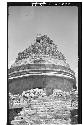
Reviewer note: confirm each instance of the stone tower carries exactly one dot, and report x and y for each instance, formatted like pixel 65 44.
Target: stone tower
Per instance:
pixel 41 65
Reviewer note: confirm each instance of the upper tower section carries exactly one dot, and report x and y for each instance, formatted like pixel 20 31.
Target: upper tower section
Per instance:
pixel 43 58
pixel 42 51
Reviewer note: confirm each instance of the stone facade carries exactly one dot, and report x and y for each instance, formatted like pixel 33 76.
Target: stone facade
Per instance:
pixel 41 109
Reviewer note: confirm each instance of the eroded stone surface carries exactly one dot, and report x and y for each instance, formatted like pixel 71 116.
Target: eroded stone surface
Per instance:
pixel 52 109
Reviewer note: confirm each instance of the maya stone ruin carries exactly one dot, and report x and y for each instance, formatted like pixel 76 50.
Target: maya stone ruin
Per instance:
pixel 42 83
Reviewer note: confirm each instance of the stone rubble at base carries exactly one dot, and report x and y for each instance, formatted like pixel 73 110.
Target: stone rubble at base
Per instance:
pixel 41 109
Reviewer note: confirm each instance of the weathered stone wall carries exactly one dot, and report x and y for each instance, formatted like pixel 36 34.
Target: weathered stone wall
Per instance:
pixel 59 108
pixel 21 84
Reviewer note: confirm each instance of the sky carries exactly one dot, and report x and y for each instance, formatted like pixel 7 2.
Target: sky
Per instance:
pixel 60 23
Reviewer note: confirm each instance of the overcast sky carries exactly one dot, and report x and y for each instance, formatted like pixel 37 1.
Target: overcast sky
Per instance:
pixel 59 23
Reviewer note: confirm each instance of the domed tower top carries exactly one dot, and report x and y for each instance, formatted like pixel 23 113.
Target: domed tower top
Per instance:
pixel 41 65
pixel 42 55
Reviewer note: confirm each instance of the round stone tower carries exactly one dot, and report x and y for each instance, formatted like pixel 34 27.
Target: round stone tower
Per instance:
pixel 41 65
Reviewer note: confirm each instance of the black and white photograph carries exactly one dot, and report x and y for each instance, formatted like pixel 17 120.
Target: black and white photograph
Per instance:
pixel 44 41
